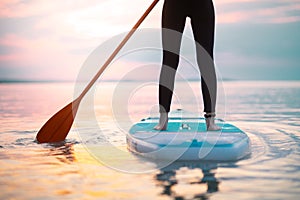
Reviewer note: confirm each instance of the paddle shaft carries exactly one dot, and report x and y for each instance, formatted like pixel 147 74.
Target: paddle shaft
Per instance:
pixel 117 50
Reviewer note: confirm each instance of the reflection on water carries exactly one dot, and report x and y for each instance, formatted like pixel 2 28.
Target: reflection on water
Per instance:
pixel 184 180
pixel 62 151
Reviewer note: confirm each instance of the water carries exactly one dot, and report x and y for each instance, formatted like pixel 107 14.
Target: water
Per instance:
pixel 268 112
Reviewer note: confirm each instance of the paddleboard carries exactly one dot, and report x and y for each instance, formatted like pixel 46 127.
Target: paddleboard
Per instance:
pixel 186 138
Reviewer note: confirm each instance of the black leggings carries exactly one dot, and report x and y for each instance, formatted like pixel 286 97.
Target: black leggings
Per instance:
pixel 201 13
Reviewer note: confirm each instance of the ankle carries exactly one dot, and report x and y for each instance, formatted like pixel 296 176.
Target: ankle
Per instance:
pixel 164 117
pixel 210 115
pixel 164 114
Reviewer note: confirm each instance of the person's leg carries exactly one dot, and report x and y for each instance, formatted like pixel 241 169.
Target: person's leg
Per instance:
pixel 173 21
pixel 203 25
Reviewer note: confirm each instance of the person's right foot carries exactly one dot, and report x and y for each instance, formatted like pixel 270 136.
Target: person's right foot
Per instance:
pixel 210 124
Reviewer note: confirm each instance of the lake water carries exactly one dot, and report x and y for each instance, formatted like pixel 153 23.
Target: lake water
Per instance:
pixel 269 112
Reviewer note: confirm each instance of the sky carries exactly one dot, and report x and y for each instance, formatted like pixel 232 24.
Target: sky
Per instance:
pixel 50 40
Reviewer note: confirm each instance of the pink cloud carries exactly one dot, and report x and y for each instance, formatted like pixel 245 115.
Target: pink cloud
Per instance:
pixel 281 20
pixel 233 17
pixel 20 8
pixel 278 14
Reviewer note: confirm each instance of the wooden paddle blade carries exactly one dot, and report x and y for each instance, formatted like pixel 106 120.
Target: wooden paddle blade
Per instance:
pixel 58 126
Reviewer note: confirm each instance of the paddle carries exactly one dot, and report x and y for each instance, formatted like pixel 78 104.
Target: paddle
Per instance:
pixel 58 126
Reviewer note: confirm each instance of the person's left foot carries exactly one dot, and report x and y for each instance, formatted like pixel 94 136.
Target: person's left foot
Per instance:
pixel 163 122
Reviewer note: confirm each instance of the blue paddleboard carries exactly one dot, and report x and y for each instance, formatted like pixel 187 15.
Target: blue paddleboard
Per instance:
pixel 186 138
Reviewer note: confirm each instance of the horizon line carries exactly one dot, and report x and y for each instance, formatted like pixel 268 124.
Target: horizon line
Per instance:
pixel 7 81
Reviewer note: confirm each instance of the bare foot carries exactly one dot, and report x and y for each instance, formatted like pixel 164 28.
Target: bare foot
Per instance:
pixel 210 124
pixel 163 122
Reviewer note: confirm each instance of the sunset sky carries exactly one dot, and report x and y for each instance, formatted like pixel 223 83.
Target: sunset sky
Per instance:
pixel 50 40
